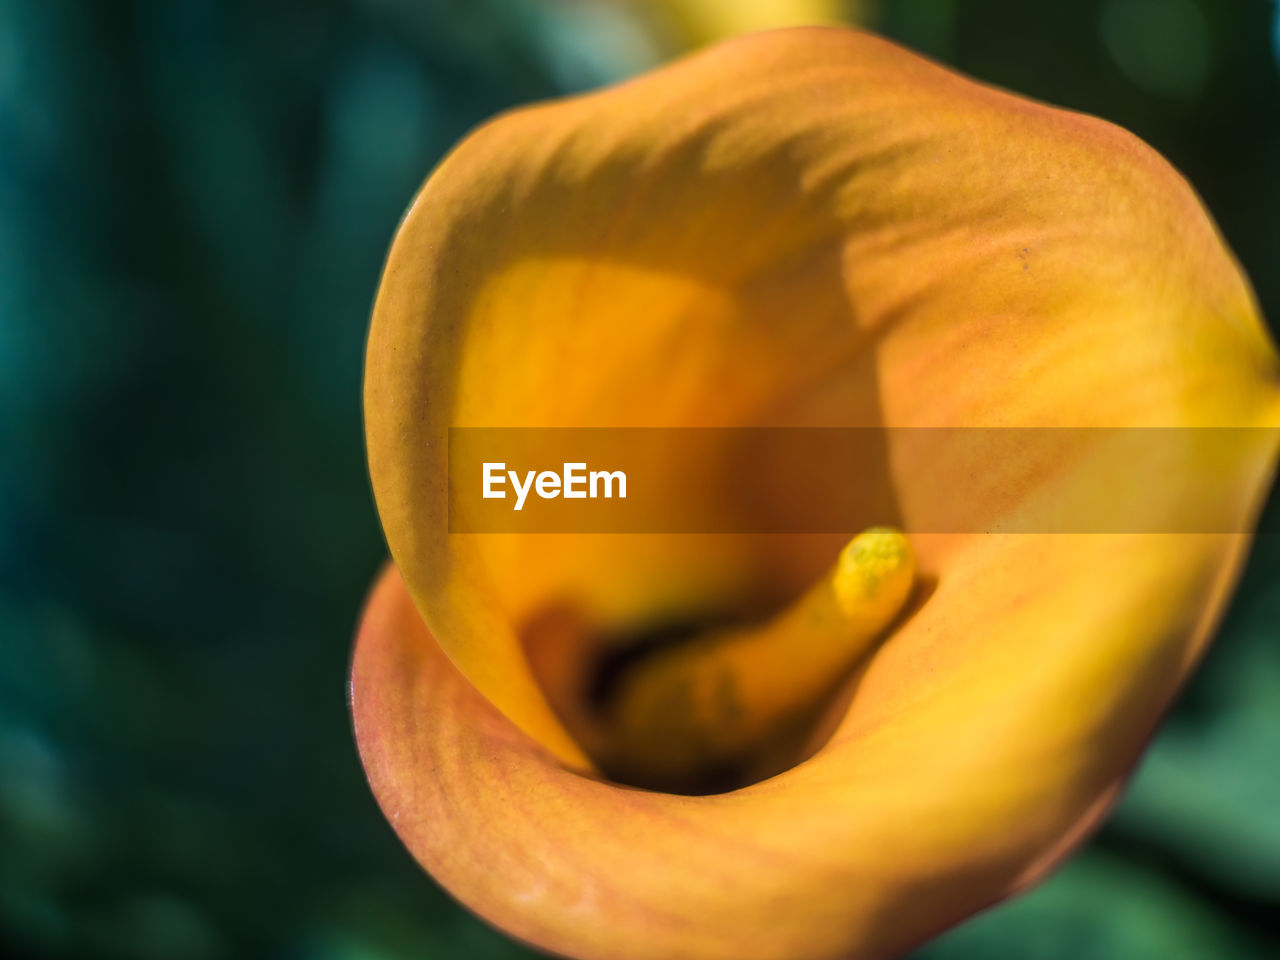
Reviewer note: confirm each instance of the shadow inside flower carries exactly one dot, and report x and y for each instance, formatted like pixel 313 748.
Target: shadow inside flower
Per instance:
pixel 580 668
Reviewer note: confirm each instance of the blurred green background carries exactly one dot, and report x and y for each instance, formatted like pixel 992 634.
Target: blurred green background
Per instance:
pixel 195 197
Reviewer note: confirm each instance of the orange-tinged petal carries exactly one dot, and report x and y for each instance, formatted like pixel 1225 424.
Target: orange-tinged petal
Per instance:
pixel 805 228
pixel 934 800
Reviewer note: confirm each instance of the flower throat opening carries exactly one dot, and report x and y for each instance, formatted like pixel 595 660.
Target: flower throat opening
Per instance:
pixel 707 707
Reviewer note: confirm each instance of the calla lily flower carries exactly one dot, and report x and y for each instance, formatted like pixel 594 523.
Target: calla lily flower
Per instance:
pixel 808 227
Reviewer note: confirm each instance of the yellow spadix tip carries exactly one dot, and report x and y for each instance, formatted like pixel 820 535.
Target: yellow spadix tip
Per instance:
pixel 874 575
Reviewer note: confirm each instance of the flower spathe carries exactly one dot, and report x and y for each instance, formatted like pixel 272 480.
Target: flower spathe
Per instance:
pixel 810 227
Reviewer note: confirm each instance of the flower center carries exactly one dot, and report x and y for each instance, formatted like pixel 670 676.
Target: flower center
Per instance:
pixel 689 708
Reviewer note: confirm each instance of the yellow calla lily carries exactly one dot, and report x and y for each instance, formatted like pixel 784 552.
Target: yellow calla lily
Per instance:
pixel 803 228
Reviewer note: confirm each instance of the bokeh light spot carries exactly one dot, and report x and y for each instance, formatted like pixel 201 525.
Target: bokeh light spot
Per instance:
pixel 1275 33
pixel 1162 46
